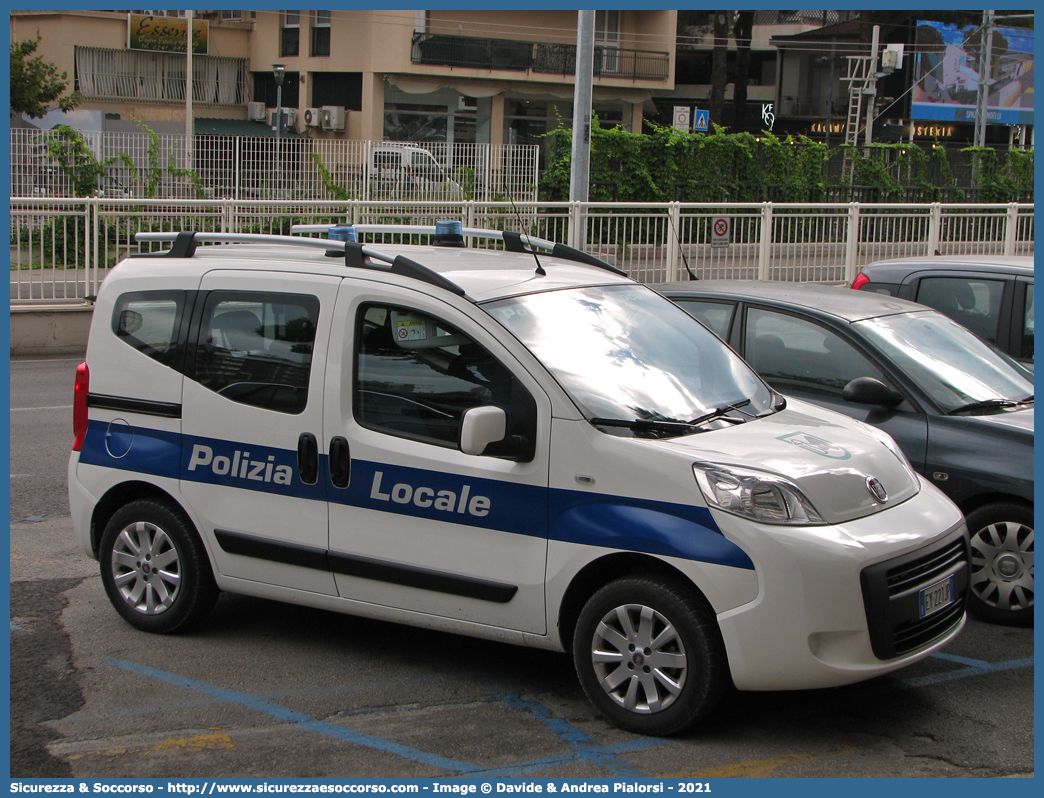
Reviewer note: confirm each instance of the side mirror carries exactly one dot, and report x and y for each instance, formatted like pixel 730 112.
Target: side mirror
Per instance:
pixel 480 427
pixel 870 391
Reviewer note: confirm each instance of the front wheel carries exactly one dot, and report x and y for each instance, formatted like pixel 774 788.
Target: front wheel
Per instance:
pixel 154 567
pixel 649 655
pixel 1002 563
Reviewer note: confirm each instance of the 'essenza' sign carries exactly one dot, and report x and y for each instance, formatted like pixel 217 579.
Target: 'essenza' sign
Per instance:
pixel 166 34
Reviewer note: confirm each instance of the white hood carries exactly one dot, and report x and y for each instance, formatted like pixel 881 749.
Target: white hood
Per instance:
pixel 829 456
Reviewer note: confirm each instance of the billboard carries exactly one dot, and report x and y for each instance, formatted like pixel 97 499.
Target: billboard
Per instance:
pixel 946 74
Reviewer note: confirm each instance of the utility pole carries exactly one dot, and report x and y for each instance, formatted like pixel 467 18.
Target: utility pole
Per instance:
pixel 985 67
pixel 830 90
pixel 580 167
pixel 189 128
pixel 278 73
pixel 871 104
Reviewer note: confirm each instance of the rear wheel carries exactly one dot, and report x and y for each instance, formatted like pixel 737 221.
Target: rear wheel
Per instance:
pixel 649 655
pixel 154 567
pixel 1002 563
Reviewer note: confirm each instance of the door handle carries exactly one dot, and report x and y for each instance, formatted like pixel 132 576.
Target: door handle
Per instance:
pixel 340 462
pixel 308 458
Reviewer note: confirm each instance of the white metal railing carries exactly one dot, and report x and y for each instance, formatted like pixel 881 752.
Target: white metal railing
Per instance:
pixel 256 167
pixel 61 249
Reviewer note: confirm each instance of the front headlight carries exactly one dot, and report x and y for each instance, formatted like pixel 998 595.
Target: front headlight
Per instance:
pixel 758 495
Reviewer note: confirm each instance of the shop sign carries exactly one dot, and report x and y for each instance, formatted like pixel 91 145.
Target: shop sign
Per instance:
pixel 166 34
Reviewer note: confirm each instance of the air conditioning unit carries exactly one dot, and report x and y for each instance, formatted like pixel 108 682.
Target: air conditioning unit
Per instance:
pixel 313 117
pixel 333 117
pixel 290 117
pixel 256 112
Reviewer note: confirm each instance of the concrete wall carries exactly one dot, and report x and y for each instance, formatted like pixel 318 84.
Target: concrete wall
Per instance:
pixel 50 330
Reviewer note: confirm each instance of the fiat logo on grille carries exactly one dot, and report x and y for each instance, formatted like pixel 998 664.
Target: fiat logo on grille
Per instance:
pixel 873 484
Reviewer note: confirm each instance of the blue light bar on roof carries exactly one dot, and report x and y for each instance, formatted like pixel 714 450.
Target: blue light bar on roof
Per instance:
pixel 449 234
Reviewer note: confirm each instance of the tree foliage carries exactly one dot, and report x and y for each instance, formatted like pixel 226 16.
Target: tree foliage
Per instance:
pixel 36 84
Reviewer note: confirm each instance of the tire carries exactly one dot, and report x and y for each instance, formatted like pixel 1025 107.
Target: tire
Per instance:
pixel 649 655
pixel 1002 563
pixel 154 568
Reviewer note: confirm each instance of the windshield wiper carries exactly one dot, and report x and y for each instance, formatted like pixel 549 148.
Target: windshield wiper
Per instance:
pixel 642 424
pixel 721 411
pixel 986 404
pixel 672 425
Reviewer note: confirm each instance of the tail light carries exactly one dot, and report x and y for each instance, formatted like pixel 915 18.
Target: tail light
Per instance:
pixel 860 280
pixel 83 379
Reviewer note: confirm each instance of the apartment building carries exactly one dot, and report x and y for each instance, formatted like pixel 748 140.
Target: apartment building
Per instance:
pixel 478 76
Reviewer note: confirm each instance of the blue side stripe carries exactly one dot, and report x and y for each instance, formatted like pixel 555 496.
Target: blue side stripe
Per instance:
pixel 145 451
pixel 570 516
pixel 617 522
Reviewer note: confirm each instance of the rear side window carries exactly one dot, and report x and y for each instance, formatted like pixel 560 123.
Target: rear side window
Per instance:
pixel 715 316
pixel 256 348
pixel 887 289
pixel 971 302
pixel 150 321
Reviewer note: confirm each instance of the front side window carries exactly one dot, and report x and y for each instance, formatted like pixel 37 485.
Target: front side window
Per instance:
pixel 970 301
pixel 416 375
pixel 150 321
pixel 799 355
pixel 256 348
pixel 628 355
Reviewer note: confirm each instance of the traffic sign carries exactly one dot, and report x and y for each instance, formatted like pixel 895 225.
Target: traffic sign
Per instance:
pixel 721 229
pixel 702 120
pixel 682 116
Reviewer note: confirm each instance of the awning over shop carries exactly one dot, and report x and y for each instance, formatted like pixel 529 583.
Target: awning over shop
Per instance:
pixel 239 127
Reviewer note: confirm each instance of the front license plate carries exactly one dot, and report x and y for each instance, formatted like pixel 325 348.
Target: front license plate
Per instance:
pixel 936 597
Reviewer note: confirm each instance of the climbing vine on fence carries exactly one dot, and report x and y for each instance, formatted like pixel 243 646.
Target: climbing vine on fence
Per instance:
pixel 667 164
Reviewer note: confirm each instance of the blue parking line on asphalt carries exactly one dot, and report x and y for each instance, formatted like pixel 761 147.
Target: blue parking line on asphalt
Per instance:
pixel 973 667
pixel 583 747
pixel 299 719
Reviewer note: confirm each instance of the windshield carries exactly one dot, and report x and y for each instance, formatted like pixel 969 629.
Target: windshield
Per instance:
pixel 625 353
pixel 953 366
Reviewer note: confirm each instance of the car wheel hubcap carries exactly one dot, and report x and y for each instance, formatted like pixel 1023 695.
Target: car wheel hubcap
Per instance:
pixel 639 659
pixel 1002 565
pixel 146 568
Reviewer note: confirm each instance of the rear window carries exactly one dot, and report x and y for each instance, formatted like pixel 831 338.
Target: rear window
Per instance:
pixel 150 321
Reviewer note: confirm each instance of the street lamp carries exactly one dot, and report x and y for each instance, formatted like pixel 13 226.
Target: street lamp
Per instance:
pixel 279 72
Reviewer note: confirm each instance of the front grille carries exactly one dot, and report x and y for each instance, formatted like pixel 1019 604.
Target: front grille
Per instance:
pixel 928 568
pixel 891 596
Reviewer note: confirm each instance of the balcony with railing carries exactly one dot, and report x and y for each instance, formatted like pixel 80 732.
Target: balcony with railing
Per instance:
pixel 542 57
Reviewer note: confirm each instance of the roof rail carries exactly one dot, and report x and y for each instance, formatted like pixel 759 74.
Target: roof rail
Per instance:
pixel 513 242
pixel 356 255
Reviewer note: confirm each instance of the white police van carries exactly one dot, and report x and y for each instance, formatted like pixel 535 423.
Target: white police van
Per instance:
pixel 495 442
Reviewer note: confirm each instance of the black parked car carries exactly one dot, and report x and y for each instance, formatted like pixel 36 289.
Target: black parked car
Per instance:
pixel 961 411
pixel 991 295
